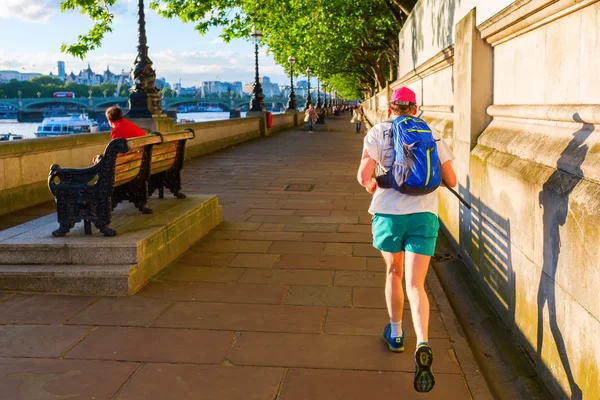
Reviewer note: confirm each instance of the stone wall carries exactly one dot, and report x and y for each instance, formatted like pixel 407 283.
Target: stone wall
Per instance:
pixel 24 165
pixel 516 98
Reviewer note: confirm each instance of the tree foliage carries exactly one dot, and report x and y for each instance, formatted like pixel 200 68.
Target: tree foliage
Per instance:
pixel 351 45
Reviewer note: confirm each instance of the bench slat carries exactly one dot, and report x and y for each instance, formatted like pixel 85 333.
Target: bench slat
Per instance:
pixel 135 164
pixel 162 165
pixel 175 136
pixel 126 176
pixel 131 155
pixel 164 148
pixel 143 141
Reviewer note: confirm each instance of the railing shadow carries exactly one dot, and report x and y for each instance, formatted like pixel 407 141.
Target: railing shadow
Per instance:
pixel 554 200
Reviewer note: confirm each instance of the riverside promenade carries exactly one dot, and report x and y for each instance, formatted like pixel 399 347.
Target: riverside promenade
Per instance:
pixel 284 300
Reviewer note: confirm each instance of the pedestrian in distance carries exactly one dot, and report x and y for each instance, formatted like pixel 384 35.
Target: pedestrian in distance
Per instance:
pixel 310 117
pixel 357 117
pixel 410 161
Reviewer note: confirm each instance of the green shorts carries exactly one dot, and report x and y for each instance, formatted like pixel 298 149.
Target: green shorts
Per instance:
pixel 415 233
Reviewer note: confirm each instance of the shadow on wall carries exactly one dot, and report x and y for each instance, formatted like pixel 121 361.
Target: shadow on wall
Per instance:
pixel 489 246
pixel 554 200
pixel 442 25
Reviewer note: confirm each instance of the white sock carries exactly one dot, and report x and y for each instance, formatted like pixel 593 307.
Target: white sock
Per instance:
pixel 396 328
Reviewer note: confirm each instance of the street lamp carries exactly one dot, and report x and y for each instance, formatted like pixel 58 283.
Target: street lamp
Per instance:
pixel 19 93
pixel 257 101
pixel 104 92
pixel 308 98
pixel 291 105
pixel 325 87
pixel 144 101
pixel 90 93
pixel 318 92
pixel 39 95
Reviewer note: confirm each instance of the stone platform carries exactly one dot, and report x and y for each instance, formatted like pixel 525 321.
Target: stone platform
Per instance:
pixel 31 259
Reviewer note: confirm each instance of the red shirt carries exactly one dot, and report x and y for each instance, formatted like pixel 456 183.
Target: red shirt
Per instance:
pixel 125 129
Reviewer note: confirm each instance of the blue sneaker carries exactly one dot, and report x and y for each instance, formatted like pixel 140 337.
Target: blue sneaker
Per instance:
pixel 394 344
pixel 424 379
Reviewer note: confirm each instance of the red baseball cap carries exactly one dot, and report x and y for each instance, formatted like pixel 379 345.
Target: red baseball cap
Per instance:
pixel 404 96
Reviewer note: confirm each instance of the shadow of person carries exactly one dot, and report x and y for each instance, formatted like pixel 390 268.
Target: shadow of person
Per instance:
pixel 554 199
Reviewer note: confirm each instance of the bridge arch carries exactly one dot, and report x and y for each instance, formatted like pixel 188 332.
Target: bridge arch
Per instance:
pixel 83 103
pixel 10 104
pixel 172 104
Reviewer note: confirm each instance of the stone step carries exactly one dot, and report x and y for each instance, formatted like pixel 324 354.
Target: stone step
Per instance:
pixel 88 279
pixel 122 264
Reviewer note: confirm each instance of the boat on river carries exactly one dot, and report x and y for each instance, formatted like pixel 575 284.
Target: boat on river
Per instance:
pixel 71 125
pixel 9 136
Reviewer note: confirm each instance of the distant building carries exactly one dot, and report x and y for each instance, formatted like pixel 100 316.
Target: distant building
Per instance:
pixel 186 92
pixel 217 87
pixel 7 76
pixel 161 83
pixel 61 70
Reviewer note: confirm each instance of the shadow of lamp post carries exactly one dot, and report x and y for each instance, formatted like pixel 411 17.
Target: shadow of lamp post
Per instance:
pixel 291 105
pixel 257 102
pixel 144 101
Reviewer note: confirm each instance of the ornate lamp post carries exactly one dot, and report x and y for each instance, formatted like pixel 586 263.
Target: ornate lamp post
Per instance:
pixel 291 105
pixel 39 95
pixel 90 94
pixel 308 98
pixel 144 101
pixel 104 92
pixel 318 92
pixel 19 93
pixel 325 87
pixel 257 101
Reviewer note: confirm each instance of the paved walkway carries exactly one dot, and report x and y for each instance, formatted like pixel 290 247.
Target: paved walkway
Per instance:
pixel 284 300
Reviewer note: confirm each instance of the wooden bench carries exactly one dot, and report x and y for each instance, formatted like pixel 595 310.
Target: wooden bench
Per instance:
pixel 122 173
pixel 167 163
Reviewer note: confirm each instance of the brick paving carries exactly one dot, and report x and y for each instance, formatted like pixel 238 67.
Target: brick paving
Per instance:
pixel 284 300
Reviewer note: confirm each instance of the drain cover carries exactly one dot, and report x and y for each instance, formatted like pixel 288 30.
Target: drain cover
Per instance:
pixel 299 187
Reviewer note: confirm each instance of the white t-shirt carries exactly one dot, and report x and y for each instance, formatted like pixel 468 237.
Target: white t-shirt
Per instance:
pixel 390 201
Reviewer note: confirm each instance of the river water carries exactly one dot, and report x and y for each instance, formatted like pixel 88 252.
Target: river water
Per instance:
pixel 27 129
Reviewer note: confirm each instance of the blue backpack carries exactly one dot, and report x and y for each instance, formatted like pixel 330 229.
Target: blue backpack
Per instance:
pixel 416 168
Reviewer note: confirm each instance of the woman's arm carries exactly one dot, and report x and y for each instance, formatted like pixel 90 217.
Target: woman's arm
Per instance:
pixel 365 173
pixel 448 174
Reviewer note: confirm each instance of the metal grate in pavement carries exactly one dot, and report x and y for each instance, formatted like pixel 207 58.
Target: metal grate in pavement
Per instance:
pixel 299 187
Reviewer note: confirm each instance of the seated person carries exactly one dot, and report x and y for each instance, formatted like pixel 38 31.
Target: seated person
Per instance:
pixel 120 127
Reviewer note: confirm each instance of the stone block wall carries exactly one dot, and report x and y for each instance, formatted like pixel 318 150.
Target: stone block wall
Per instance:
pixel 511 85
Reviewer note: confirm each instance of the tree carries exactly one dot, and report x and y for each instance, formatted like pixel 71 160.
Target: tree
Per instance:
pixel 351 45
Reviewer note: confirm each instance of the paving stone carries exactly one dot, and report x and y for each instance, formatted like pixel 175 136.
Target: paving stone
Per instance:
pixel 271 227
pixel 235 246
pixel 194 258
pixel 365 279
pixel 202 274
pixel 41 309
pixel 61 379
pixel 338 249
pixel 215 292
pixel 296 248
pixel 239 226
pixel 347 228
pixel 254 260
pixel 259 211
pixel 121 311
pixel 321 262
pixel 313 213
pixel 218 234
pixel 366 250
pixel 288 277
pixel 338 237
pixel 330 220
pixel 302 384
pixel 366 297
pixel 333 351
pixel 5 296
pixel 319 296
pixel 311 228
pixel 365 321
pixel 274 236
pixel 200 382
pixel 376 264
pixel 276 219
pixel 243 317
pixel 39 340
pixel 154 345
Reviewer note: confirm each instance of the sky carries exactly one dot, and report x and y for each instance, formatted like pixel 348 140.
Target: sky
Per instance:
pixel 32 32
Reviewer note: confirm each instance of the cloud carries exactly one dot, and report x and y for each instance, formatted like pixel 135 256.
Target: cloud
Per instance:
pixel 29 10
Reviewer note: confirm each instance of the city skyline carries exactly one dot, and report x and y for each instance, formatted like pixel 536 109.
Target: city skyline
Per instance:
pixel 176 49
